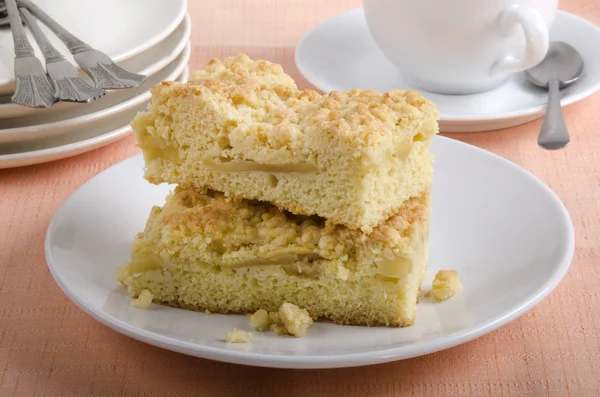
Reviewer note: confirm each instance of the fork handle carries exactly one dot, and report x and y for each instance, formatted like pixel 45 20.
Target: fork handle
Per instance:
pixel 50 53
pixel 73 43
pixel 23 47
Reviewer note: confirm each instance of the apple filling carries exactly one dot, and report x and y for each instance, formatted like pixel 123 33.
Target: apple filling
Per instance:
pixel 156 147
pixel 252 166
pixel 284 256
pixel 142 264
pixel 394 268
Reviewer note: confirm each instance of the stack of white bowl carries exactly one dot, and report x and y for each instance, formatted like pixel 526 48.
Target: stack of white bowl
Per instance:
pixel 150 37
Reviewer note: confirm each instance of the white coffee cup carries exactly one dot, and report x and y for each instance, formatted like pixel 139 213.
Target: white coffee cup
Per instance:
pixel 460 46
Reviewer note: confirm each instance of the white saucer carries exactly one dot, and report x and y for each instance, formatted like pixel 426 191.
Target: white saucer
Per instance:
pixel 121 29
pixel 74 144
pixel 148 62
pixel 340 54
pixel 88 116
pixel 510 238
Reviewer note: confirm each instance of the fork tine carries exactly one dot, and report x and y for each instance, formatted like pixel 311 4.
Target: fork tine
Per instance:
pixel 110 76
pixel 33 91
pixel 133 79
pixel 75 89
pixel 69 86
pixel 102 78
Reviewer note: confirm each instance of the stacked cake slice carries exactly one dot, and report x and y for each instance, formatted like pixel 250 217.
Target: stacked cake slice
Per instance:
pixel 285 196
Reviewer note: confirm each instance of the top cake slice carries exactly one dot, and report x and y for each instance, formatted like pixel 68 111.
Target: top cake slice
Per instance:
pixel 243 128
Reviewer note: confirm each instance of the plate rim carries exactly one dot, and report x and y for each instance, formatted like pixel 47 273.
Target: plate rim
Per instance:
pixel 335 360
pixel 448 117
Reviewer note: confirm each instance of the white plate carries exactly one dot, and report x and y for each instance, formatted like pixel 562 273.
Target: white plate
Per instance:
pixel 340 54
pixel 74 144
pixel 507 234
pixel 149 62
pixel 121 29
pixel 88 117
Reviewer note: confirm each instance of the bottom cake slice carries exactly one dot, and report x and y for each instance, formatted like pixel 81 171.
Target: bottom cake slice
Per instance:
pixel 205 251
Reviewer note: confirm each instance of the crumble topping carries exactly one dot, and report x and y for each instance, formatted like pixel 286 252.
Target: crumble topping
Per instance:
pixel 445 285
pixel 289 319
pixel 235 222
pixel 238 336
pixel 295 320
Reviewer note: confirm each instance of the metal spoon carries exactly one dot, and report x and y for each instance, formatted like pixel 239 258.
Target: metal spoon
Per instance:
pixel 561 67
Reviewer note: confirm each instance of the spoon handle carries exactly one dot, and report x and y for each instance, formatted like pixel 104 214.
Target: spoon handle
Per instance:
pixel 554 134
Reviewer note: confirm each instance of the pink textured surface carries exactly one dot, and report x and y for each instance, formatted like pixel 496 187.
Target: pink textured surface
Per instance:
pixel 50 347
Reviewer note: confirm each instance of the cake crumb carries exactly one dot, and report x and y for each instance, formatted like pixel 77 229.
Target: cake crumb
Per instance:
pixel 289 320
pixel 276 325
pixel 274 317
pixel 445 285
pixel 279 329
pixel 260 321
pixel 143 301
pixel 238 336
pixel 207 312
pixel 295 320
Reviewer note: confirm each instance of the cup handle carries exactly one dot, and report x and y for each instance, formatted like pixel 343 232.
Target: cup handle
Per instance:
pixel 536 39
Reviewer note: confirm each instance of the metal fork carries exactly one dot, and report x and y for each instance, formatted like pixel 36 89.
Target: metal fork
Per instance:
pixel 32 86
pixel 68 84
pixel 105 73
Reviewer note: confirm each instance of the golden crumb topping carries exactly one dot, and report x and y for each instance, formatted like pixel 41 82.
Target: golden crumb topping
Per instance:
pixel 264 117
pixel 229 223
pixel 445 285
pixel 238 336
pixel 295 320
pixel 288 320
pixel 260 320
pixel 241 67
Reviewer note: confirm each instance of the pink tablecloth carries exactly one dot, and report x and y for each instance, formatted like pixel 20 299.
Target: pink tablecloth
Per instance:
pixel 50 347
